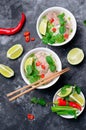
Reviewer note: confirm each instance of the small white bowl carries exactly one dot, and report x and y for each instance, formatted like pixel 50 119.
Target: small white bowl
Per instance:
pixel 63 10
pixel 69 116
pixel 58 64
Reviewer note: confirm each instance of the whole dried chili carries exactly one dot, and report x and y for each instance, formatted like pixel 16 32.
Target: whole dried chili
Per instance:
pixel 11 31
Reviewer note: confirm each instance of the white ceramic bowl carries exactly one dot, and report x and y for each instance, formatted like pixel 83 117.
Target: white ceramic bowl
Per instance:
pixel 69 116
pixel 58 9
pixel 58 64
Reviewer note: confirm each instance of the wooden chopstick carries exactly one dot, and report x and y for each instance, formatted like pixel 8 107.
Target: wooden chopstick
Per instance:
pixel 39 83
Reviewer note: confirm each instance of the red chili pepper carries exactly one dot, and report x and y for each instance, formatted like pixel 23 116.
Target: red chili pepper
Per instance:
pixel 43 67
pixel 75 105
pixel 26 33
pixel 38 63
pixel 32 39
pixel 51 20
pixel 30 116
pixel 54 29
pixel 11 31
pixel 62 102
pixel 27 38
pixel 66 36
pixel 42 75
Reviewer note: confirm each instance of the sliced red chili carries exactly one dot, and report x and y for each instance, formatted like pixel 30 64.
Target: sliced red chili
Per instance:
pixel 42 75
pixel 38 63
pixel 66 36
pixel 27 38
pixel 61 102
pixel 30 116
pixel 26 33
pixel 12 31
pixel 43 67
pixel 75 105
pixel 32 39
pixel 54 29
pixel 51 20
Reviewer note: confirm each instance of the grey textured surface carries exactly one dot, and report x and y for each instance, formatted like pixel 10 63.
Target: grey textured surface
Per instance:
pixel 13 116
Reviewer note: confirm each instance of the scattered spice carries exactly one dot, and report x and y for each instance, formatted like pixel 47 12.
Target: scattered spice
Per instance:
pixel 32 39
pixel 30 116
pixel 26 33
pixel 27 37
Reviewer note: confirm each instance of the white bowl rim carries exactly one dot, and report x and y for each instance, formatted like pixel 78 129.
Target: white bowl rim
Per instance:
pixel 34 50
pixel 56 8
pixel 69 116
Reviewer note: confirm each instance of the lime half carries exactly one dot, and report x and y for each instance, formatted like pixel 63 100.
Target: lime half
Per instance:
pixel 29 61
pixel 75 56
pixel 43 26
pixel 6 71
pixel 66 93
pixel 78 98
pixel 15 51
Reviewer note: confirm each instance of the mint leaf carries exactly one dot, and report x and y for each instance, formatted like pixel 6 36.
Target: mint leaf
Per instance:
pixel 61 19
pixel 52 68
pixel 49 60
pixel 62 29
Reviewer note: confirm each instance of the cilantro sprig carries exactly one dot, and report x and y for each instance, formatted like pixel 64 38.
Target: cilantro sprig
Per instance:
pixel 39 101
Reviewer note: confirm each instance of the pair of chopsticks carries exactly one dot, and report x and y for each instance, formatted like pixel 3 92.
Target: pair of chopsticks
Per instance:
pixel 21 91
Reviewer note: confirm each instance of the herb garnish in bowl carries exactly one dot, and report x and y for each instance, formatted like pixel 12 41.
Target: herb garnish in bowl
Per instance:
pixel 56 26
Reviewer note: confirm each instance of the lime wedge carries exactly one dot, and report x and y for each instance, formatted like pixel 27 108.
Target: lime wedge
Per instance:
pixel 67 92
pixel 15 51
pixel 6 71
pixel 75 56
pixel 43 26
pixel 78 98
pixel 29 61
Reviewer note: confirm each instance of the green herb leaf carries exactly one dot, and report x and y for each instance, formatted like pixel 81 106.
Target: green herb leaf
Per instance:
pixel 61 19
pixel 49 60
pixel 84 22
pixel 34 100
pixel 77 89
pixel 60 38
pixel 62 29
pixel 39 101
pixel 52 68
pixel 42 102
pixel 33 78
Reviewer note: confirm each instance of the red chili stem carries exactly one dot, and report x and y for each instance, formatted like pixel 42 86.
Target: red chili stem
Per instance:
pixel 11 31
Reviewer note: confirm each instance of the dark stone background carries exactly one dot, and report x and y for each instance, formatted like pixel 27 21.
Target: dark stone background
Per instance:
pixel 13 116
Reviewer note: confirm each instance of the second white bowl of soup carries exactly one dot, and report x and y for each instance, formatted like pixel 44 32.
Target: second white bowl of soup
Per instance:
pixel 38 64
pixel 56 26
